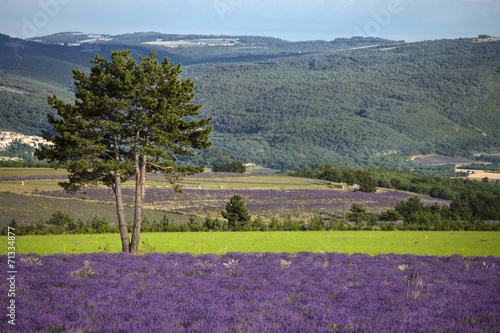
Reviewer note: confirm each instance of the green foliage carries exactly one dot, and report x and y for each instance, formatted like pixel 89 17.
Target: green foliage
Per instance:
pixel 14 228
pixel 361 177
pixel 274 225
pixel 258 224
pixel 356 213
pixel 468 212
pixel 234 166
pixel 59 219
pixel 20 150
pixel 316 224
pixel 99 225
pixel 409 208
pixel 128 118
pixel 193 225
pixel 95 131
pixel 236 215
pixel 418 217
pixel 209 224
pixel 491 167
pixel 24 164
pixel 83 272
pixel 473 201
pixel 359 107
pixel 390 215
pixel 147 248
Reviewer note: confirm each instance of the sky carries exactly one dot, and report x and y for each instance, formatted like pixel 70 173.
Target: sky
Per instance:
pixel 293 20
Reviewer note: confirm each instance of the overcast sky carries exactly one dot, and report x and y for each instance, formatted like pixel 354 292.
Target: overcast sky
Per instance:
pixel 411 20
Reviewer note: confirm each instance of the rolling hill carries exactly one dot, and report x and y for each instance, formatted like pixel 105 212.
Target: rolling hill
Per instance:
pixel 348 102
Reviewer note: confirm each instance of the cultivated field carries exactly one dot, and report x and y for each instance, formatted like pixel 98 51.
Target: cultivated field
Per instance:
pixel 254 292
pixel 195 42
pixel 28 209
pixel 437 159
pixel 31 194
pixel 480 174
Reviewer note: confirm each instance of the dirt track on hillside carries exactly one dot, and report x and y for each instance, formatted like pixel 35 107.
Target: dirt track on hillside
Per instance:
pixel 12 90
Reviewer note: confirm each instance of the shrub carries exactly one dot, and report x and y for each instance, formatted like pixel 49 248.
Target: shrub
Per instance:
pixel 60 220
pixel 274 225
pixel 83 272
pixel 99 226
pixel 193 225
pixel 234 166
pixel 316 224
pixel 12 224
pixel 258 224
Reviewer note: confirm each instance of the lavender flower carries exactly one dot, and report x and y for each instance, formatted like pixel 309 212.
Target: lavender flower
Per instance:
pixel 186 293
pixel 266 203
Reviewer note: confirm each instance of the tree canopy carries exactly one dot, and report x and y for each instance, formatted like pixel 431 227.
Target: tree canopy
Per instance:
pixel 128 118
pixel 236 215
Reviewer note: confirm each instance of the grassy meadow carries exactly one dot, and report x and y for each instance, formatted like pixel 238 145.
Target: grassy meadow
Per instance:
pixel 373 243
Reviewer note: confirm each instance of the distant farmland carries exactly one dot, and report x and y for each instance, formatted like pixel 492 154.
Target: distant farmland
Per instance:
pixel 439 159
pixel 493 155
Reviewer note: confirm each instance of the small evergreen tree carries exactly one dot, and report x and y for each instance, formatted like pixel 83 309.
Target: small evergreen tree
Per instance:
pixel 236 215
pixel 217 224
pixel 408 209
pixel 12 224
pixel 356 213
pixel 390 215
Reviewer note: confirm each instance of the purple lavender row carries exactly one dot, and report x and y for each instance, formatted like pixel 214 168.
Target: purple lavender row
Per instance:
pixel 256 292
pixel 202 175
pixel 256 201
pixel 216 175
pixel 33 177
pixel 151 177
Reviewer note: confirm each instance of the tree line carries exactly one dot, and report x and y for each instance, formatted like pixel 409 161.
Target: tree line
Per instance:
pixel 472 200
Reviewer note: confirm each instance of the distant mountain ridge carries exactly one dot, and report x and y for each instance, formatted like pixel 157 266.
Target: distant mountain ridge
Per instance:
pixel 352 101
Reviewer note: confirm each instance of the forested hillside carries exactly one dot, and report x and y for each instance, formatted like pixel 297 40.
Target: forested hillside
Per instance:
pixel 356 107
pixel 350 102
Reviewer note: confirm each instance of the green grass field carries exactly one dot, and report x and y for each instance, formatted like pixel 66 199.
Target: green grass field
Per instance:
pixel 373 243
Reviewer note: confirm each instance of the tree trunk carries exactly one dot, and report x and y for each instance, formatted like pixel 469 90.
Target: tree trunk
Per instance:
pixel 140 182
pixel 122 222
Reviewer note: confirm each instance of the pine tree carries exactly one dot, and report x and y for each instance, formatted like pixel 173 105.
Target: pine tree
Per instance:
pixel 128 119
pixel 236 215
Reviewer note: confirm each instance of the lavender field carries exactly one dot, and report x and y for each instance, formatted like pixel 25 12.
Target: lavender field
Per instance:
pixel 266 203
pixel 263 196
pixel 255 292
